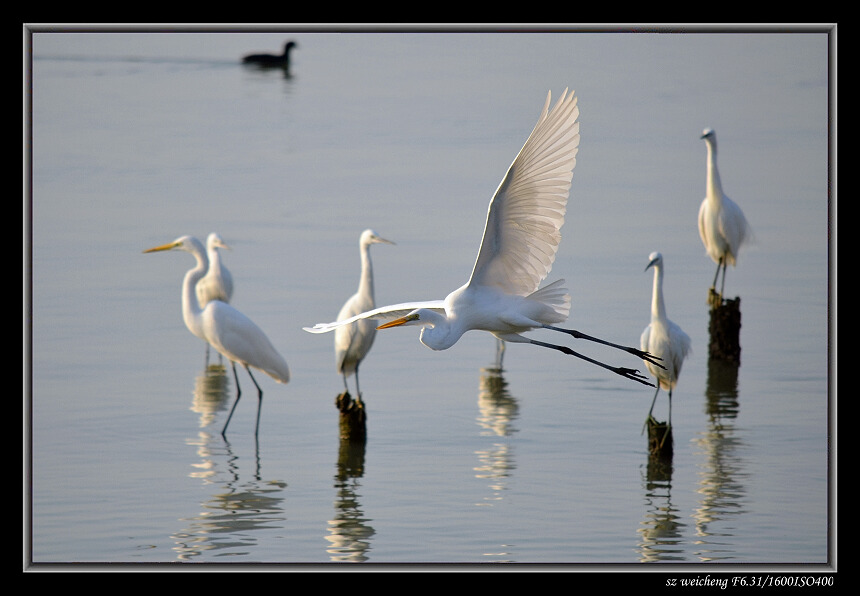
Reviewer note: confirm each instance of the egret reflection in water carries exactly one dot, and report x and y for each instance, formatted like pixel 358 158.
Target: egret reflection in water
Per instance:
pixel 211 393
pixel 497 412
pixel 349 531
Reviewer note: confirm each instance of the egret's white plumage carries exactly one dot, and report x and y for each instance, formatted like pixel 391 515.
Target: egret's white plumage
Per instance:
pixel 521 238
pixel 229 331
pixel 722 225
pixel 663 338
pixel 217 284
pixel 353 342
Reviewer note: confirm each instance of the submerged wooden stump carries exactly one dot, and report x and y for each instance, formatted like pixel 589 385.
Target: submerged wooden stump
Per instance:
pixel 353 418
pixel 660 440
pixel 724 328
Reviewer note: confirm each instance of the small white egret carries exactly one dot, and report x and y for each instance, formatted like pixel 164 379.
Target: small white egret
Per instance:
pixel 663 338
pixel 353 342
pixel 722 225
pixel 229 331
pixel 217 284
pixel 520 241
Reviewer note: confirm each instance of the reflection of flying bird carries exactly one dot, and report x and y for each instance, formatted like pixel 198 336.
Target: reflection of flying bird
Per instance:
pixel 217 284
pixel 353 342
pixel 520 242
pixel 722 225
pixel 663 338
pixel 229 331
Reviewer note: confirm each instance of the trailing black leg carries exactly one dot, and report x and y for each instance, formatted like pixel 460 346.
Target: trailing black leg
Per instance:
pixel 630 373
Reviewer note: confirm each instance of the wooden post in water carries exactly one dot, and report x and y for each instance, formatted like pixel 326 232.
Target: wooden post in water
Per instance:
pixel 353 418
pixel 660 441
pixel 724 328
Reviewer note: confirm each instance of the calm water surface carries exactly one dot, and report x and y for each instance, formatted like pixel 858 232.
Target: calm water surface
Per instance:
pixel 141 138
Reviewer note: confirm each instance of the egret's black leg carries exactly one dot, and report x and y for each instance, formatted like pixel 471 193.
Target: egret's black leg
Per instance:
pixel 259 399
pixel 717 273
pixel 238 395
pixel 668 424
pixel 357 388
pixel 639 353
pixel 653 401
pixel 630 373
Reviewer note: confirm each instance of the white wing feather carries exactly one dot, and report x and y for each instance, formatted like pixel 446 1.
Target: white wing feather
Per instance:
pixel 525 216
pixel 383 313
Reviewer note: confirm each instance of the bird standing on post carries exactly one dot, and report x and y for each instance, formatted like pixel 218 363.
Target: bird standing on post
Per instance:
pixel 217 284
pixel 229 331
pixel 664 339
pixel 353 342
pixel 521 238
pixel 722 225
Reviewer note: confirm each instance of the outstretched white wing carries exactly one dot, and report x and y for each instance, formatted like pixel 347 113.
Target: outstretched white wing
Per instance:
pixel 525 216
pixel 383 314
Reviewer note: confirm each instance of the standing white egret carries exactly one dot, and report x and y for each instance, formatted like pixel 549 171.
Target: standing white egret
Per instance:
pixel 663 338
pixel 217 284
pixel 353 342
pixel 722 225
pixel 229 331
pixel 519 245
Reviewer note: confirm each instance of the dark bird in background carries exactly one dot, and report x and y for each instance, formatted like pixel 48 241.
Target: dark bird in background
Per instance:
pixel 271 60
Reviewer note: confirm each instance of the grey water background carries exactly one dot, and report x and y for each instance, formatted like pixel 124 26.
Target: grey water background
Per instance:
pixel 138 138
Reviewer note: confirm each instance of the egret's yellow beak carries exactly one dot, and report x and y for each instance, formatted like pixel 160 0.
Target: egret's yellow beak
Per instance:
pixel 162 247
pixel 398 322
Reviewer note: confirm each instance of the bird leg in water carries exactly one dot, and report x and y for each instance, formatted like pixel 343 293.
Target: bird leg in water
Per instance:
pixel 653 401
pixel 638 353
pixel 630 373
pixel 239 395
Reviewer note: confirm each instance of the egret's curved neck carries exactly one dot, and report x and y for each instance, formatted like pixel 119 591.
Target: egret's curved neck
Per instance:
pixel 190 306
pixel 714 189
pixel 658 309
pixel 365 284
pixel 438 333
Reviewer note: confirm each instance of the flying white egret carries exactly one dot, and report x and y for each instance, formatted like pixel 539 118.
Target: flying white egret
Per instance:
pixel 722 225
pixel 229 331
pixel 663 338
pixel 520 242
pixel 217 284
pixel 353 342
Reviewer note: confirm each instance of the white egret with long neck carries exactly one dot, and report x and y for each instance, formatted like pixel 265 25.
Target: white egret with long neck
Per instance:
pixel 723 227
pixel 217 284
pixel 663 338
pixel 353 342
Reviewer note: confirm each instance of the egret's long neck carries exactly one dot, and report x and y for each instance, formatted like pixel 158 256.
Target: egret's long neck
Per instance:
pixel 365 284
pixel 713 188
pixel 190 306
pixel 658 309
pixel 214 258
pixel 440 333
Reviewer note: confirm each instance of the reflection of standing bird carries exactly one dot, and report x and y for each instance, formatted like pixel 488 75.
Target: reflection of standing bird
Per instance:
pixel 663 338
pixel 217 284
pixel 280 60
pixel 229 331
pixel 722 225
pixel 521 238
pixel 353 342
